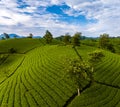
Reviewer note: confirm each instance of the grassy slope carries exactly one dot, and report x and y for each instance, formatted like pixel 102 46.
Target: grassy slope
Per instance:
pixel 21 45
pixel 38 79
pixel 12 61
pixel 106 92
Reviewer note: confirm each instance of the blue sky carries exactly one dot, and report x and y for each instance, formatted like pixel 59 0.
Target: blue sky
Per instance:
pixel 91 17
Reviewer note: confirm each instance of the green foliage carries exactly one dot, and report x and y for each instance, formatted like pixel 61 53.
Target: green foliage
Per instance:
pixel 111 47
pixel 76 39
pixel 66 39
pixel 48 37
pixel 96 56
pixel 78 71
pixel 104 40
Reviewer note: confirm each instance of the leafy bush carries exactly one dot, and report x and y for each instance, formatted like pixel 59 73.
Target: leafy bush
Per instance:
pixel 96 56
pixel 12 50
pixel 111 47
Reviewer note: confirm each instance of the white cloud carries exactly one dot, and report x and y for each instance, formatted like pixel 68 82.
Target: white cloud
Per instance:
pixel 105 12
pixel 8 17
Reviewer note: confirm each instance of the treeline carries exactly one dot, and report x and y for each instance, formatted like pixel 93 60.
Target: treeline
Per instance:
pixel 104 41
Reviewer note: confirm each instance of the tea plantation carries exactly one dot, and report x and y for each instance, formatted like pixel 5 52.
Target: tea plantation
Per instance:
pixel 34 76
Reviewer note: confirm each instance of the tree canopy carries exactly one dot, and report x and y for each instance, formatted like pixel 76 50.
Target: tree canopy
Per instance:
pixel 67 38
pixel 79 72
pixel 30 35
pixel 48 37
pixel 76 39
pixel 104 42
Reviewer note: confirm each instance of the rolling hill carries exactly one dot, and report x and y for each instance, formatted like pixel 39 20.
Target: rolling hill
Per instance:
pixel 34 76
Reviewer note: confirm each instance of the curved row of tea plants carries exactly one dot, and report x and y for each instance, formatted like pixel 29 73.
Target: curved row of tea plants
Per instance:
pixel 98 96
pixel 105 92
pixel 9 66
pixel 39 80
pixel 108 71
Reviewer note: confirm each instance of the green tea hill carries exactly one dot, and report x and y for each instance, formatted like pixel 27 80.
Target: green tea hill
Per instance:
pixel 33 76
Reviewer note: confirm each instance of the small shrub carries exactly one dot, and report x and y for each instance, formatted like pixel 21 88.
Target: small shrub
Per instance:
pixel 12 50
pixel 96 56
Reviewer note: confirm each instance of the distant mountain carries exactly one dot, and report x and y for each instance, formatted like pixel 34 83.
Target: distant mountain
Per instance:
pixel 17 36
pixel 14 35
pixel 37 36
pixel 11 36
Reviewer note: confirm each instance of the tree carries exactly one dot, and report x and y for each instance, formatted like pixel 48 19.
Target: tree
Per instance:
pixel 66 39
pixel 104 43
pixel 76 39
pixel 48 37
pixel 30 35
pixel 6 35
pixel 79 72
pixel 111 47
pixel 104 40
pixel 96 56
pixel 12 50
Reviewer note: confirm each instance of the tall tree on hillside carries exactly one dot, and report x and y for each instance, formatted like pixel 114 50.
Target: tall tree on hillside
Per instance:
pixel 104 40
pixel 6 35
pixel 76 39
pixel 104 43
pixel 79 72
pixel 48 37
pixel 66 38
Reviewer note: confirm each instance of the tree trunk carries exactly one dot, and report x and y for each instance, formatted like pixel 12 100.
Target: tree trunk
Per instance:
pixel 78 92
pixel 92 69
